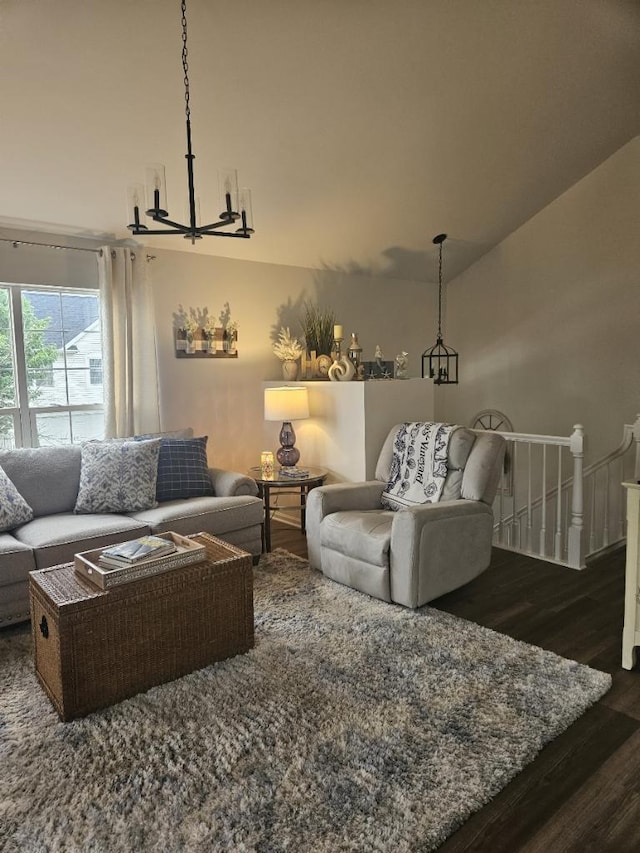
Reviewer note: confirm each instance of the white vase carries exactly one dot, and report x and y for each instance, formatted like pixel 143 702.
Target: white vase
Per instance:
pixel 342 370
pixel 290 369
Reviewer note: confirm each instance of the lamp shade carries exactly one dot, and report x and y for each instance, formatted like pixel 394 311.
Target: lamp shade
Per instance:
pixel 288 403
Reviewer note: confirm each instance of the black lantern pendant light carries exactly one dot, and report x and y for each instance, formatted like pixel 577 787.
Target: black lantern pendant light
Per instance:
pixel 440 362
pixel 236 205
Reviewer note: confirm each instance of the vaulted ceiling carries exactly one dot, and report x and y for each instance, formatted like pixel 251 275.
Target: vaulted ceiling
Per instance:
pixel 363 127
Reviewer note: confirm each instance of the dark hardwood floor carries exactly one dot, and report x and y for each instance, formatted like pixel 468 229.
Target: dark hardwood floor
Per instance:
pixel 582 793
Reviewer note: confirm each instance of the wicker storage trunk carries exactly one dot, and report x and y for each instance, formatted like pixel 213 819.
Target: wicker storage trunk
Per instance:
pixel 95 647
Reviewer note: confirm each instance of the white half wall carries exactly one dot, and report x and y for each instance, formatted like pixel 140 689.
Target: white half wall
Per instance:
pixel 548 323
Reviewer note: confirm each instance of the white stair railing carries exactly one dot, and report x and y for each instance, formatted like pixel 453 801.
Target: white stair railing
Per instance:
pixel 526 528
pixel 554 525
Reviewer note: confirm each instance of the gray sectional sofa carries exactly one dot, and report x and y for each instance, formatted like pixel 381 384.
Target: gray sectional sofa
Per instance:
pixel 48 478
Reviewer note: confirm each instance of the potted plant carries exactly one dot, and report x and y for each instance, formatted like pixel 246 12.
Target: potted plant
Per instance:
pixel 317 325
pixel 288 349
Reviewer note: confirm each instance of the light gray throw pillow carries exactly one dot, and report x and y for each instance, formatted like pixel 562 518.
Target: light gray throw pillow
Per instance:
pixel 14 510
pixel 118 476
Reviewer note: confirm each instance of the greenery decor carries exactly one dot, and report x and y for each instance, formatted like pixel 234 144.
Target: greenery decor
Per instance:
pixel 317 326
pixel 39 356
pixel 286 347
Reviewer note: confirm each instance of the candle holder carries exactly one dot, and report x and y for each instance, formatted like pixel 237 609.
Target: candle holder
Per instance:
pixel 337 348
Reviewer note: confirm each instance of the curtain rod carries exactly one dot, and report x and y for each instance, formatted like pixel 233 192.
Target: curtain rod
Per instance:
pixel 16 243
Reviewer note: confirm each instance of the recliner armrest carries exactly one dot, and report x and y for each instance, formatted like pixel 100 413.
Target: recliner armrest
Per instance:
pixel 337 497
pixel 230 484
pixel 430 543
pixel 415 517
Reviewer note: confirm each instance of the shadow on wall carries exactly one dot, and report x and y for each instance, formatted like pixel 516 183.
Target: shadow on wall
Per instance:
pixel 422 265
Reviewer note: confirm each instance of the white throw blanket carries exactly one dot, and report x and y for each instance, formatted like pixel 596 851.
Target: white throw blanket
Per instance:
pixel 419 465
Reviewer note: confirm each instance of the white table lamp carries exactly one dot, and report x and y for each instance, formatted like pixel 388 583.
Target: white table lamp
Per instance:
pixel 287 403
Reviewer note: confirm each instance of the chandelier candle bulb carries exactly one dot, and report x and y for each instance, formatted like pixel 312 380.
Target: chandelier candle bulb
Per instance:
pixel 157 189
pixel 135 204
pixel 228 182
pixel 246 211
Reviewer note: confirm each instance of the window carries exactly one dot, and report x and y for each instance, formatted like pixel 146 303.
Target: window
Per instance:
pixel 95 371
pixel 50 366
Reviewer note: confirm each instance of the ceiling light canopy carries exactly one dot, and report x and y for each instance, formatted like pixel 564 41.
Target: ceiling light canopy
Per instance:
pixel 236 204
pixel 440 362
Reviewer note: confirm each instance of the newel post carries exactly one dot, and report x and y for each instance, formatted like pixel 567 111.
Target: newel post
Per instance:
pixel 575 555
pixel 636 438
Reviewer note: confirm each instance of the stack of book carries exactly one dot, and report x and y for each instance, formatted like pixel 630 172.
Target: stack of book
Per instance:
pixel 293 473
pixel 130 553
pixel 138 558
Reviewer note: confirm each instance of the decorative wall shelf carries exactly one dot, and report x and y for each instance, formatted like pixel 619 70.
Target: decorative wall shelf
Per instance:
pixel 202 354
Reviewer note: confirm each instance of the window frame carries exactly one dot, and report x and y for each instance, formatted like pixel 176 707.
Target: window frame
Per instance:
pixel 25 427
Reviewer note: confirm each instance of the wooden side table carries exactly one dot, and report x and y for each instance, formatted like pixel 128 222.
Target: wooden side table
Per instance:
pixel 285 486
pixel 631 631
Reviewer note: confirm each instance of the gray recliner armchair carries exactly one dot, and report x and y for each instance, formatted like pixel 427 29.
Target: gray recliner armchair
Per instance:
pixel 419 553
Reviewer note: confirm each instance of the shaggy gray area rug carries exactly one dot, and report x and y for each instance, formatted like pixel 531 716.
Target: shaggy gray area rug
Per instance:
pixel 353 725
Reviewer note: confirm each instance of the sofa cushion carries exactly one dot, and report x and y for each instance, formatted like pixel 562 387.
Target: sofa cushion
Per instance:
pixel 118 476
pixel 362 534
pixel 183 469
pixel 16 560
pixel 14 510
pixel 46 477
pixel 209 515
pixel 56 538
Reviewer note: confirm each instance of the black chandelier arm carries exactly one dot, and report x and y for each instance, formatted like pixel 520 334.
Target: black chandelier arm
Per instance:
pixel 170 223
pixel 186 231
pixel 222 223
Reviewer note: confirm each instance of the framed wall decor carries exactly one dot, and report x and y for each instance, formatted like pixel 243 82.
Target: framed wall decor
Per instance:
pixel 197 334
pixel 217 343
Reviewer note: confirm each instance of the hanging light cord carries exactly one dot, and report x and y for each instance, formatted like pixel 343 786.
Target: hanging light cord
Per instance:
pixel 439 240
pixel 185 63
pixel 440 294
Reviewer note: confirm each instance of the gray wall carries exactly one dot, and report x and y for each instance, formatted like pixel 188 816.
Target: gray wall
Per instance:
pixel 548 323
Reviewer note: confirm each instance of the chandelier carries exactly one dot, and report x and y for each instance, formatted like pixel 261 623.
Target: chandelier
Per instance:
pixel 440 362
pixel 236 204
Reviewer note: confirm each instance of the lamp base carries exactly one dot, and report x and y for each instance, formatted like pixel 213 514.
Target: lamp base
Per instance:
pixel 287 455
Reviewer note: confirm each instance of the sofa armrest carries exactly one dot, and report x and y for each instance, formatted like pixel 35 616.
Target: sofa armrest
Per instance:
pixel 337 497
pixel 229 484
pixel 436 547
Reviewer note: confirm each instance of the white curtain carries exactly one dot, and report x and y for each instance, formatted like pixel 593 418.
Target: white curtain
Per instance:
pixel 130 366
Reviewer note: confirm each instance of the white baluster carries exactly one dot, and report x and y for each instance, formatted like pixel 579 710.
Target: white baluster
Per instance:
pixel 514 515
pixel 543 518
pixel 605 514
pixel 558 537
pixel 529 526
pixel 592 536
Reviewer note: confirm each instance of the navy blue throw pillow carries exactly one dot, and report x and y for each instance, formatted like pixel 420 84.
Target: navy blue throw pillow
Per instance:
pixel 183 469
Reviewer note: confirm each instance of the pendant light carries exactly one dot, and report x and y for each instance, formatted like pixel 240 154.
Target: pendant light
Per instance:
pixel 440 362
pixel 236 205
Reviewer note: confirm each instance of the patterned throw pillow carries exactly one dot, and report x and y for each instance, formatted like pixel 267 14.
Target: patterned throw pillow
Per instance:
pixel 14 510
pixel 118 476
pixel 183 469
